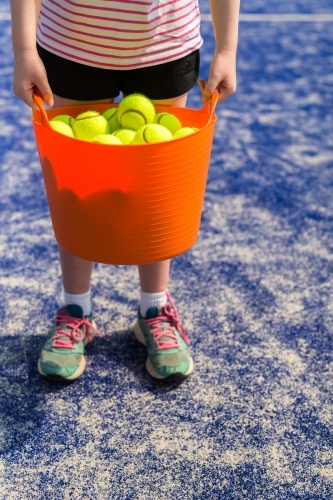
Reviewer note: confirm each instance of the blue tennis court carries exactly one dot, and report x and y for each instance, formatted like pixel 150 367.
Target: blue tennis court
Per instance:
pixel 255 293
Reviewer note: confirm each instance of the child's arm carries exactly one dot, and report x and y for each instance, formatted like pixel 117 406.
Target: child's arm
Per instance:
pixel 29 71
pixel 222 74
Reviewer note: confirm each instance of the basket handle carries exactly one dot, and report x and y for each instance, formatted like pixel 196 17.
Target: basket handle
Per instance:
pixel 210 106
pixel 39 101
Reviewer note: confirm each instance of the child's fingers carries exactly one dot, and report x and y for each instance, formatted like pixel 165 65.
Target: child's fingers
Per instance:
pixel 202 84
pixel 205 90
pixel 25 90
pixel 28 99
pixel 43 89
pixel 224 88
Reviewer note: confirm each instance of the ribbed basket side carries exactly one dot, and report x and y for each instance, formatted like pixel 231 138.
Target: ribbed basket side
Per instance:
pixel 125 204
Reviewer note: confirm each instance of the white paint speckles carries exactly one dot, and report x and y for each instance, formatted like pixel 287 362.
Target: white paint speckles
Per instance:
pixel 255 295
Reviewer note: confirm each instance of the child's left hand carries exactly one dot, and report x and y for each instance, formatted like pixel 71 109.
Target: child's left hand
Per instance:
pixel 222 77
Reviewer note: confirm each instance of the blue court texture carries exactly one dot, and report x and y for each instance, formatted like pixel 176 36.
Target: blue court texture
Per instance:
pixel 255 295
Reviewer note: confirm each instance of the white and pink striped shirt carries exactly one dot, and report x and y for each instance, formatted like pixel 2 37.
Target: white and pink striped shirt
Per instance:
pixel 120 34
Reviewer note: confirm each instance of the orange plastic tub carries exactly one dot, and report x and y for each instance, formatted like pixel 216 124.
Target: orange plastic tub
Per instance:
pixel 132 204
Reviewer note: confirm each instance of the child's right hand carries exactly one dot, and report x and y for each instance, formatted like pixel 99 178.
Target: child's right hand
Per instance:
pixel 30 76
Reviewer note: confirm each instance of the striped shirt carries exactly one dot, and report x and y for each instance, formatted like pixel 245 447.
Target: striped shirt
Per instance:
pixel 120 34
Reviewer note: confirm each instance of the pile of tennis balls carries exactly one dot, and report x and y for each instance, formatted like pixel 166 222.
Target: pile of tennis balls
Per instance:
pixel 134 121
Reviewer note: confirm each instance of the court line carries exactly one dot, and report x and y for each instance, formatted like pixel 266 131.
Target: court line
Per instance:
pixel 251 18
pixel 280 18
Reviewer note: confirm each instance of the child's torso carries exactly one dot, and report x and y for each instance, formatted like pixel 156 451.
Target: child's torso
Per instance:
pixel 120 34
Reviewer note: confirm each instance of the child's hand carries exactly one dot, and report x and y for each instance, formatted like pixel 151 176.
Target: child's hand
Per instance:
pixel 222 77
pixel 30 76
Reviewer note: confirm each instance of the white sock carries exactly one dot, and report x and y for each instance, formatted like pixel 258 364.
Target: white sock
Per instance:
pixel 81 299
pixel 148 300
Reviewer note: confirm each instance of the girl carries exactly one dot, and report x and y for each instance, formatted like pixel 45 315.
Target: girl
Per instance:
pixel 76 52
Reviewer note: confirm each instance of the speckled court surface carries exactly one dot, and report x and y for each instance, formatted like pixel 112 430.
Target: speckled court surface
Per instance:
pixel 255 294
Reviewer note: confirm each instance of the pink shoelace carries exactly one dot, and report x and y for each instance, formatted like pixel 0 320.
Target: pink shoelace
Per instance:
pixel 169 314
pixel 74 333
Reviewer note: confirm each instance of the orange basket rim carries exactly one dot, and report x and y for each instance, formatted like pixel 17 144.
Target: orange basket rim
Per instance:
pixel 208 108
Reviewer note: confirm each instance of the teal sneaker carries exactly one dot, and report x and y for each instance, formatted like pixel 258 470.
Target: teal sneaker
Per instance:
pixel 62 357
pixel 166 342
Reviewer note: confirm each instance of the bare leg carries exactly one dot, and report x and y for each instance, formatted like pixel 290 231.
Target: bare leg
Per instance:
pixel 76 272
pixel 154 277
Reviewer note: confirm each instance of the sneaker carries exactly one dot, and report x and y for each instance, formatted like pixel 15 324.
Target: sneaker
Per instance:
pixel 166 341
pixel 62 357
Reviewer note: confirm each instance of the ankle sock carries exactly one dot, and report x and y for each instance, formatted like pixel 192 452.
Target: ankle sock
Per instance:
pixel 82 299
pixel 148 300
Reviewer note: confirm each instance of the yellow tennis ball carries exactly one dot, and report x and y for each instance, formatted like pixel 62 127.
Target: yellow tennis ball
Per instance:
pixel 89 124
pixel 152 133
pixel 135 110
pixel 106 139
pixel 182 132
pixel 68 120
pixel 126 135
pixel 168 121
pixel 111 116
pixel 62 128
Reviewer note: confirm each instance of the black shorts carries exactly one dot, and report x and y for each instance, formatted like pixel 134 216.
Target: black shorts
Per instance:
pixel 72 80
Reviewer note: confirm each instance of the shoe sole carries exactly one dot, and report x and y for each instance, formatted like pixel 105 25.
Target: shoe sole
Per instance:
pixel 59 378
pixel 149 366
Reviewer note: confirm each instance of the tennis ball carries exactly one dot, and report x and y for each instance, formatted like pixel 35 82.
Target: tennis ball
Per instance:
pixel 152 133
pixel 111 116
pixel 168 121
pixel 89 124
pixel 135 110
pixel 62 128
pixel 106 139
pixel 125 135
pixel 182 132
pixel 69 120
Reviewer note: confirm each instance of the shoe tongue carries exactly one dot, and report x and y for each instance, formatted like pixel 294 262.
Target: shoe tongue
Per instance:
pixel 152 312
pixel 75 310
